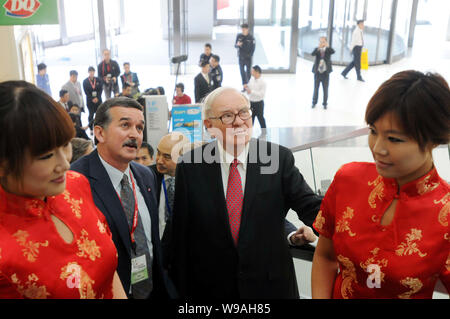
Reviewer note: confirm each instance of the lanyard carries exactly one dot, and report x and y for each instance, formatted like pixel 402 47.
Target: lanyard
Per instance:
pixel 135 214
pixel 93 85
pixel 108 67
pixel 165 195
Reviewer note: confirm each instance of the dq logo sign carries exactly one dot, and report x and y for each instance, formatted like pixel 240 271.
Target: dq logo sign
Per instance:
pixel 21 8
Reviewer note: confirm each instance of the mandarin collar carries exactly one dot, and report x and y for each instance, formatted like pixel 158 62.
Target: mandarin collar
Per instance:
pixel 24 206
pixel 418 187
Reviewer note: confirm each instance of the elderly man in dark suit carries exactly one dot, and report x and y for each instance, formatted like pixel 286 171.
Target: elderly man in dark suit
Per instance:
pixel 124 191
pixel 231 199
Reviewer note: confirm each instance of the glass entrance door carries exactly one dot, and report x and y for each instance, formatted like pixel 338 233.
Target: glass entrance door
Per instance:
pixel 273 26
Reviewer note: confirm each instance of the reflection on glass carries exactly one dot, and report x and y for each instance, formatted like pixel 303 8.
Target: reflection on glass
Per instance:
pixel 273 33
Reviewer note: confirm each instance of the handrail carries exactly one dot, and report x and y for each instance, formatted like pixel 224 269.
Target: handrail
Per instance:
pixel 333 139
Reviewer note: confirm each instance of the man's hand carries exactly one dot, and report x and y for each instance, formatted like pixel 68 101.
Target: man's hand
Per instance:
pixel 247 89
pixel 303 236
pixel 95 100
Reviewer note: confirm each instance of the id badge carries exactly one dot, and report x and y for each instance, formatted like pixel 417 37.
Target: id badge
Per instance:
pixel 94 94
pixel 138 269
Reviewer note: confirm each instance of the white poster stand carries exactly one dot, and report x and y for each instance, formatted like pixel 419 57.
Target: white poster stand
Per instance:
pixel 156 117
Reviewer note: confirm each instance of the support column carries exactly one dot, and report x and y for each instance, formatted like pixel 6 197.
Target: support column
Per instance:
pixel 412 25
pixel 9 63
pixel 101 26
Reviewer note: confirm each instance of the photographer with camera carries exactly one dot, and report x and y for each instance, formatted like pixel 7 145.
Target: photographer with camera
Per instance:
pixel 109 71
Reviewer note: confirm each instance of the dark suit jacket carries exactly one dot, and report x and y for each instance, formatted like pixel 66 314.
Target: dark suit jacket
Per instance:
pixel 106 199
pixel 204 262
pixel 201 88
pixel 328 52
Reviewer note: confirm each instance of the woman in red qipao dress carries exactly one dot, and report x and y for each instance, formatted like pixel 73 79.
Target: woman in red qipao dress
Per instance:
pixel 385 225
pixel 54 242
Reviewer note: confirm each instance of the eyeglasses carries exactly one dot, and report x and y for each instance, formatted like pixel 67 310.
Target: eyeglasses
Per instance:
pixel 229 118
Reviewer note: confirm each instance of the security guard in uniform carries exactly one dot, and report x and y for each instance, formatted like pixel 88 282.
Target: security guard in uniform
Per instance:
pixel 245 43
pixel 215 74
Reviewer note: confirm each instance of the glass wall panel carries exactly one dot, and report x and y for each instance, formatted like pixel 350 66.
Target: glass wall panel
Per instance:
pixel 313 23
pixel 78 15
pixel 402 23
pixel 273 41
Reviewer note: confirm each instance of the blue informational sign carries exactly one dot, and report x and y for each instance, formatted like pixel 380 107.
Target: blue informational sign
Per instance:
pixel 187 119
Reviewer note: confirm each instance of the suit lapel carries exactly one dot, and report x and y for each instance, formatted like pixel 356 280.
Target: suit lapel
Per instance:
pixel 106 193
pixel 251 182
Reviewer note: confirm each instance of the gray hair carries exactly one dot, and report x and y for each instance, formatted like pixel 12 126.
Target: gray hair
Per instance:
pixel 211 97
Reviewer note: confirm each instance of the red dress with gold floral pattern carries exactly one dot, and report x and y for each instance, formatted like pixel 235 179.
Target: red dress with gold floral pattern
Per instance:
pixel 401 260
pixel 35 262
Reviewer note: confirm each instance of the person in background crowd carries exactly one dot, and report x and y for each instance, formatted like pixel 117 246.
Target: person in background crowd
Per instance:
pixel 80 130
pixel 109 71
pixel 384 226
pixel 145 154
pixel 356 47
pixel 126 91
pixel 256 90
pixel 202 83
pixel 93 89
pixel 42 80
pixel 215 73
pixel 228 221
pixel 54 242
pixel 73 86
pixel 206 55
pixel 322 69
pixel 80 148
pixel 124 191
pixel 245 43
pixel 131 79
pixel 181 97
pixel 64 99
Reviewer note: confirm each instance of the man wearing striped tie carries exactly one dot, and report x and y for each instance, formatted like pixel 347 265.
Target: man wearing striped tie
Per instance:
pixel 231 199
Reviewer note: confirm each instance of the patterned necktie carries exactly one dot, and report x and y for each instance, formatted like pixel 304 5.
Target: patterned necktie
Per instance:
pixel 234 200
pixel 142 289
pixel 170 187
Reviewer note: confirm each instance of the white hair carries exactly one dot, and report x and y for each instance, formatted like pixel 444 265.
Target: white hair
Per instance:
pixel 211 97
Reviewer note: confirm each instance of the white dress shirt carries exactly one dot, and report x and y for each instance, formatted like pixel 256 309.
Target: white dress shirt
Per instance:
pixel 357 38
pixel 116 176
pixel 257 89
pixel 225 165
pixel 162 208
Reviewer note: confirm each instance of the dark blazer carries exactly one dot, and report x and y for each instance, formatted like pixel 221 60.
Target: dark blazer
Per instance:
pixel 106 199
pixel 201 87
pixel 204 262
pixel 328 52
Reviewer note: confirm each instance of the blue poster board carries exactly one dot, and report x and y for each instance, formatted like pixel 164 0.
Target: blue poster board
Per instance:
pixel 187 119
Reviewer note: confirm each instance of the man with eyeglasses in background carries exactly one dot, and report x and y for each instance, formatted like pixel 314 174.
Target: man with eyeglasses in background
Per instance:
pixel 232 196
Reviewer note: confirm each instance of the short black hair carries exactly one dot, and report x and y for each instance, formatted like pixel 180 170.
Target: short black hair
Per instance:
pixel 62 93
pixel 73 72
pixel 180 86
pixel 204 63
pixel 208 45
pixel 359 21
pixel 91 68
pixel 419 102
pixel 126 63
pixel 149 148
pixel 244 26
pixel 79 147
pixel 215 57
pixel 257 68
pixel 103 117
pixel 41 66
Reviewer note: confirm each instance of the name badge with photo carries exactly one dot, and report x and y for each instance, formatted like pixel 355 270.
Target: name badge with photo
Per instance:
pixel 139 270
pixel 94 94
